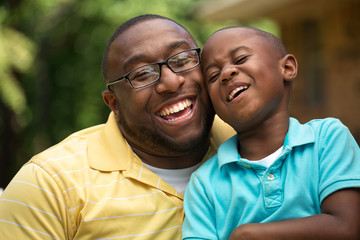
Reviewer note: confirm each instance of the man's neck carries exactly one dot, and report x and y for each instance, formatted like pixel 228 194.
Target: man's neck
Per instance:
pixel 175 161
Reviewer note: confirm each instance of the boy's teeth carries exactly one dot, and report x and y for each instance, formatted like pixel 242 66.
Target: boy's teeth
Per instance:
pixel 176 108
pixel 236 90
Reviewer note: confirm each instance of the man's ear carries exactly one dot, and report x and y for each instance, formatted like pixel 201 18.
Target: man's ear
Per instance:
pixel 289 67
pixel 110 100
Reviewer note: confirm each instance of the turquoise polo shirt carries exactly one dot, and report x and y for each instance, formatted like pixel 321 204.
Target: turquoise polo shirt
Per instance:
pixel 318 158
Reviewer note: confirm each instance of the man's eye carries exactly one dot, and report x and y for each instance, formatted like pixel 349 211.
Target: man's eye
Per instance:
pixel 241 60
pixel 179 62
pixel 142 74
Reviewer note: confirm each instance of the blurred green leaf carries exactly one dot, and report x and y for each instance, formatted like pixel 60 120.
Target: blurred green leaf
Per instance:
pixel 17 54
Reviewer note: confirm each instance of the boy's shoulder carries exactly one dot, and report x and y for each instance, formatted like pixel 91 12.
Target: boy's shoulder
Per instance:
pixel 317 131
pixel 324 121
pixel 316 124
pixel 325 125
pixel 227 152
pixel 209 167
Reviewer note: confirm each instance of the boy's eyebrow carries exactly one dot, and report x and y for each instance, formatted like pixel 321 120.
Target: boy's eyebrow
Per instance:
pixel 232 53
pixel 209 66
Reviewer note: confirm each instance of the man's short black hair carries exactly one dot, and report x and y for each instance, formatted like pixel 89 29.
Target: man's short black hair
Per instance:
pixel 125 26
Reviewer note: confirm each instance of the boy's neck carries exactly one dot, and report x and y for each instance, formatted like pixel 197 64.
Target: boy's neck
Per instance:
pixel 263 140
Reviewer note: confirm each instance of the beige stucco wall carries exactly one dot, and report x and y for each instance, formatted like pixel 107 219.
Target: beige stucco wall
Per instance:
pixel 338 53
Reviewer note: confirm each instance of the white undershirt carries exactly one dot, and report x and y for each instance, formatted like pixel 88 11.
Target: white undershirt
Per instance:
pixel 177 178
pixel 268 160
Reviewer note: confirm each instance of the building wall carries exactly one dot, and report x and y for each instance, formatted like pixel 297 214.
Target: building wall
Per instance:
pixel 325 38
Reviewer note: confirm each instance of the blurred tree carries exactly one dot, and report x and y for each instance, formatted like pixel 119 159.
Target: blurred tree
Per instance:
pixel 17 54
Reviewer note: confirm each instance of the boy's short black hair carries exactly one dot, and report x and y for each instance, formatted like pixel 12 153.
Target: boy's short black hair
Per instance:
pixel 268 37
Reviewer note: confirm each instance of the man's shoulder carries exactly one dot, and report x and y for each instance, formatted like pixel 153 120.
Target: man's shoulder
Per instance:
pixel 71 151
pixel 221 131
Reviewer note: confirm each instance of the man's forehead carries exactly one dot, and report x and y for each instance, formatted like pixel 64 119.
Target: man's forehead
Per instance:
pixel 154 31
pixel 146 40
pixel 152 27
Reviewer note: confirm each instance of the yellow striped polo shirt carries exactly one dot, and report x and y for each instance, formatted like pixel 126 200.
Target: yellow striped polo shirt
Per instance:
pixel 93 186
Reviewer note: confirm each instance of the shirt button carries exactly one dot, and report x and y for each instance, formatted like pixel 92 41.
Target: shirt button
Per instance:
pixel 271 177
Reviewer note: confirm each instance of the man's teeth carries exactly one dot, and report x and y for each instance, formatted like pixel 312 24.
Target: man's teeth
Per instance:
pixel 235 91
pixel 176 108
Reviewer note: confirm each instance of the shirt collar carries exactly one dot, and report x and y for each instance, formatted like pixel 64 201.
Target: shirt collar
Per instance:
pixel 297 135
pixel 107 148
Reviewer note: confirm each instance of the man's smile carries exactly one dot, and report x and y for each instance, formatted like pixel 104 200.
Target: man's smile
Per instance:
pixel 177 111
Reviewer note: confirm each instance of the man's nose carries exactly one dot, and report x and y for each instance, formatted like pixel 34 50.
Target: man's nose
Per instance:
pixel 228 73
pixel 169 81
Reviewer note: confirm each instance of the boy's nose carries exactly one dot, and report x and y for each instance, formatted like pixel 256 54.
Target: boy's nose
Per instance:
pixel 228 74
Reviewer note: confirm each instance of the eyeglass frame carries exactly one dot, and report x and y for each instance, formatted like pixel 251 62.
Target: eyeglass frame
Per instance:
pixel 160 64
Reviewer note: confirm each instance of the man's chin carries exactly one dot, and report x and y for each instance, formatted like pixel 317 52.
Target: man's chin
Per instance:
pixel 168 140
pixel 180 145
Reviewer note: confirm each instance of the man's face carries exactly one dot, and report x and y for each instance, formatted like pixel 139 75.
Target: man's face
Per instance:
pixel 244 78
pixel 171 117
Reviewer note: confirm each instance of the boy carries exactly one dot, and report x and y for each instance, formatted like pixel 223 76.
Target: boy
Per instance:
pixel 277 178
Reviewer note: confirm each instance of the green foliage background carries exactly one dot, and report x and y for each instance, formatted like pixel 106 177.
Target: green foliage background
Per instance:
pixel 50 67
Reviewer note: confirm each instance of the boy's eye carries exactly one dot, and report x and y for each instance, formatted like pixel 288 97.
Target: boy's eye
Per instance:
pixel 213 77
pixel 241 59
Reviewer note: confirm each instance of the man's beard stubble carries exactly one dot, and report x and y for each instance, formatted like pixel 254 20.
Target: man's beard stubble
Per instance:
pixel 158 144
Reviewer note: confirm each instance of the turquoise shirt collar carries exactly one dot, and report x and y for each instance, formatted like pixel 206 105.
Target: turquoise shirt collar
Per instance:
pixel 297 135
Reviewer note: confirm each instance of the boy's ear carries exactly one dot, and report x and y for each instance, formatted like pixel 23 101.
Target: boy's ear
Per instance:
pixel 289 67
pixel 110 100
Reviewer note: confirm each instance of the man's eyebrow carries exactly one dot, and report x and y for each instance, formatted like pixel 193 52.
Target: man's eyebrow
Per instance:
pixel 140 57
pixel 133 59
pixel 177 44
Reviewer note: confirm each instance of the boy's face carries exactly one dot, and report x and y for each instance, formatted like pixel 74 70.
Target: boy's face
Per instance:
pixel 244 77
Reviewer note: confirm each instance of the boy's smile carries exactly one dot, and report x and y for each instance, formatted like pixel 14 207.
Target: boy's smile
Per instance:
pixel 236 92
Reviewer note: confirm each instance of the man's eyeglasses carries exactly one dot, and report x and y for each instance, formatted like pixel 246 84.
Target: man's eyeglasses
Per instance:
pixel 150 73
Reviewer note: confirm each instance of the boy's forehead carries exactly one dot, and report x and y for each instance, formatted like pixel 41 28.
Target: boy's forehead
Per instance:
pixel 228 38
pixel 231 34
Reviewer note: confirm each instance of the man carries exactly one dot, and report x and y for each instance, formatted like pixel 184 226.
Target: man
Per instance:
pixel 97 183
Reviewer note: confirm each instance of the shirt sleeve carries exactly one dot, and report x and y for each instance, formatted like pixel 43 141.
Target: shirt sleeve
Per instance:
pixel 32 206
pixel 199 222
pixel 339 163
